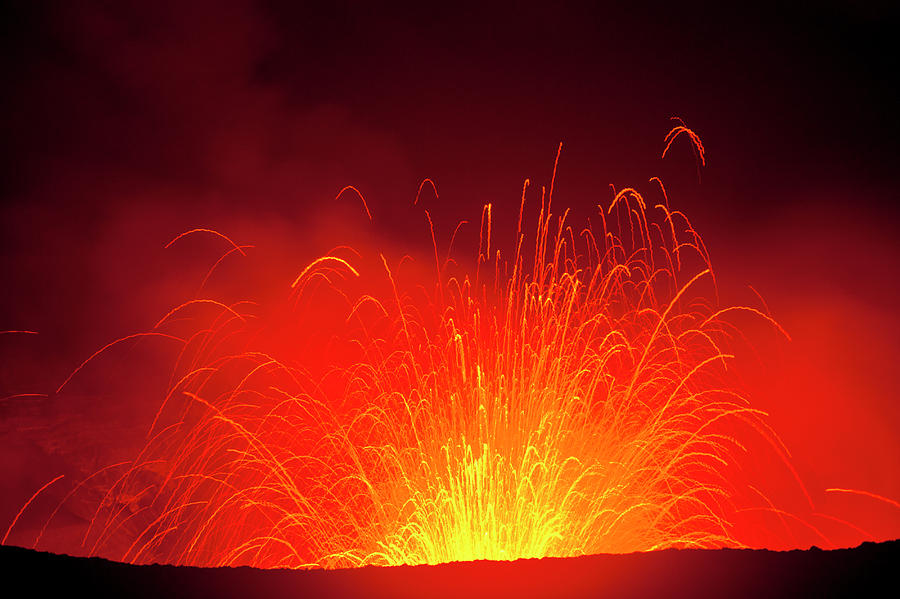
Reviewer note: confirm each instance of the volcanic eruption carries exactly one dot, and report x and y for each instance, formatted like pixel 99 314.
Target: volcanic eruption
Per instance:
pixel 562 393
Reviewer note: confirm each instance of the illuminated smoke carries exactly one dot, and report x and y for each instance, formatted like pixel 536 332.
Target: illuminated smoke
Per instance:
pixel 570 397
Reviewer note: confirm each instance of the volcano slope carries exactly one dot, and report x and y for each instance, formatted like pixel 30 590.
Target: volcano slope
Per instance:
pixel 864 570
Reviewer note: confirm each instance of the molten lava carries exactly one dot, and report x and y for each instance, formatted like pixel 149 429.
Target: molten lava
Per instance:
pixel 570 398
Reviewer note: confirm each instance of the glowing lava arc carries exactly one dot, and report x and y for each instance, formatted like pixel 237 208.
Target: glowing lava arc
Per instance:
pixel 567 401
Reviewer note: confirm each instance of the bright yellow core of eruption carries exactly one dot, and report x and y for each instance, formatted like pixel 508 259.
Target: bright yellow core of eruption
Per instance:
pixel 569 400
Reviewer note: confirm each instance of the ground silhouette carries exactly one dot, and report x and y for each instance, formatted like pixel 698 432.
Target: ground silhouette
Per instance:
pixel 865 570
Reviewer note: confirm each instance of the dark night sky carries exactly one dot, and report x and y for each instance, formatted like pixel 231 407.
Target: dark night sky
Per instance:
pixel 124 124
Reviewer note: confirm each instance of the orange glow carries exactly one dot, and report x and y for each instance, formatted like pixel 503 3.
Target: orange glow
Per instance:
pixel 573 398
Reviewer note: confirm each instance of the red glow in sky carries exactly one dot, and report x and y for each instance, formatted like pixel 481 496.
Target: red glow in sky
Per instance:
pixel 128 125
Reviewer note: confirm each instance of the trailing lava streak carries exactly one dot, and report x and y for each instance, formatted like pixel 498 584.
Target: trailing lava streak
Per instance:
pixel 569 398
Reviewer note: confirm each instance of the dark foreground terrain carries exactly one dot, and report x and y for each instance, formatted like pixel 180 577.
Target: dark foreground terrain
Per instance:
pixel 870 569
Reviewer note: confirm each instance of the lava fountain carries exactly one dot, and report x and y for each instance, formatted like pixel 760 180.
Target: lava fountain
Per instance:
pixel 568 397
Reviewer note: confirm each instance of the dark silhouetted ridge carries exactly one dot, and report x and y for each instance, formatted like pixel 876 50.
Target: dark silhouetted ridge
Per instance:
pixel 870 568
